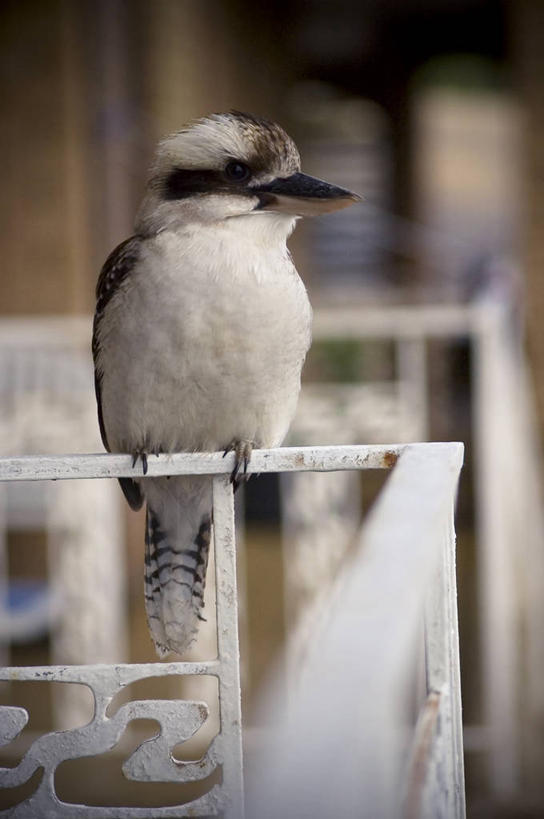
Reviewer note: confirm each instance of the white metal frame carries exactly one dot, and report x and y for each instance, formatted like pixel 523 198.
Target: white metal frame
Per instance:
pixel 412 524
pixel 347 748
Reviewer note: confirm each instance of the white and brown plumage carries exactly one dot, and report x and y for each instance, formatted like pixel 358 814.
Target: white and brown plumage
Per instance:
pixel 201 328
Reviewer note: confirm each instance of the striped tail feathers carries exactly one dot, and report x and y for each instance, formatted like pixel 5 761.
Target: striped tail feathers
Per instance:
pixel 152 591
pixel 177 544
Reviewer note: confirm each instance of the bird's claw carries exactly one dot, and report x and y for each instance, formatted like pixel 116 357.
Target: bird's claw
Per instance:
pixel 242 456
pixel 140 454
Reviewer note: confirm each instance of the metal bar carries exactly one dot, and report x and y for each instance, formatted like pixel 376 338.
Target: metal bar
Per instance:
pixel 443 674
pixel 284 459
pixel 126 672
pixel 436 320
pixel 453 723
pixel 29 332
pixel 228 648
pixel 496 567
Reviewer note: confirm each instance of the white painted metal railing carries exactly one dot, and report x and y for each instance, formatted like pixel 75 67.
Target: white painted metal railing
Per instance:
pixel 349 747
pixel 402 575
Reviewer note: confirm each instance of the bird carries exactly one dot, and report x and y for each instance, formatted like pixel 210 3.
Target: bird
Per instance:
pixel 201 328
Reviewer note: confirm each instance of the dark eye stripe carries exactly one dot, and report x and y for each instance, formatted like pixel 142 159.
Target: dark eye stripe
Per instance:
pixel 181 183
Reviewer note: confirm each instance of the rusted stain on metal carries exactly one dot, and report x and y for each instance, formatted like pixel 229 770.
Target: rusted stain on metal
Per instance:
pixel 418 769
pixel 390 458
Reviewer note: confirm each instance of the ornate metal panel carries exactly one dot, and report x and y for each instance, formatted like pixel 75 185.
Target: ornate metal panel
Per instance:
pixel 179 720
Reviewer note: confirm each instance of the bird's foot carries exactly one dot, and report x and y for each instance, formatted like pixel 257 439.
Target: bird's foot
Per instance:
pixel 140 454
pixel 242 452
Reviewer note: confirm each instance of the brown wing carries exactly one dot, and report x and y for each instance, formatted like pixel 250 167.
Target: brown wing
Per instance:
pixel 117 267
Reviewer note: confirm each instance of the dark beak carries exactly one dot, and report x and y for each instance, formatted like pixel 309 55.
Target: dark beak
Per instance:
pixel 303 195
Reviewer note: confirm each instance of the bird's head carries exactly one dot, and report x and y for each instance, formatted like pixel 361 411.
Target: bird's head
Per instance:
pixel 231 165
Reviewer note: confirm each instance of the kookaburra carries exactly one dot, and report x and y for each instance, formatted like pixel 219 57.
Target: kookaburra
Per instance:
pixel 201 328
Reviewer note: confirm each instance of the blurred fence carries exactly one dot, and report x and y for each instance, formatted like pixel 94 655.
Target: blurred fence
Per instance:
pixel 402 576
pixel 508 499
pixel 71 588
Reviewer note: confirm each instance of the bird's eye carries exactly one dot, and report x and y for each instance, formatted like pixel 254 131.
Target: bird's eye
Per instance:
pixel 237 171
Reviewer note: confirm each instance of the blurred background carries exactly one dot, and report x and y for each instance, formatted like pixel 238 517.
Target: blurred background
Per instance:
pixel 429 303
